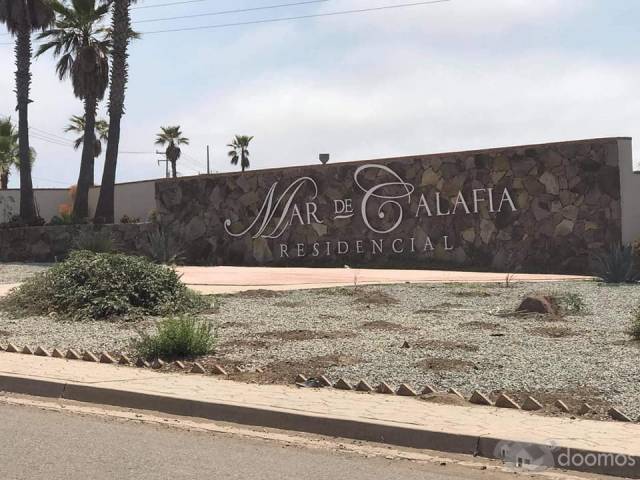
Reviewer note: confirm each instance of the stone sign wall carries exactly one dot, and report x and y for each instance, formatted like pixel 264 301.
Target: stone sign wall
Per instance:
pixel 53 243
pixel 539 208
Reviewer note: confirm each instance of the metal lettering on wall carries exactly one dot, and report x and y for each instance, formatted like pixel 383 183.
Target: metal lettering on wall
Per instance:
pixel 281 210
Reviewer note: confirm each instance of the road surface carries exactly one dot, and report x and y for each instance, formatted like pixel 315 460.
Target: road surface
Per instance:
pixel 40 444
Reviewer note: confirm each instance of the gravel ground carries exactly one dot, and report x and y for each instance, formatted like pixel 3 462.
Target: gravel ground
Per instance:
pixel 461 336
pixel 18 272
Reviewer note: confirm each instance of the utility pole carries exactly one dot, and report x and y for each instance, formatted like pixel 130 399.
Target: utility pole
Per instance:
pixel 208 162
pixel 166 162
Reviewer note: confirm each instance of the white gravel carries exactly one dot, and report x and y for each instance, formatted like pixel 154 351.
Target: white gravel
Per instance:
pixel 598 357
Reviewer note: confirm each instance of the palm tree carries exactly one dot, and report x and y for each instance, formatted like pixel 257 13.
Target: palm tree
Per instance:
pixel 101 134
pixel 10 151
pixel 172 138
pixel 121 33
pixel 22 17
pixel 82 45
pixel 240 151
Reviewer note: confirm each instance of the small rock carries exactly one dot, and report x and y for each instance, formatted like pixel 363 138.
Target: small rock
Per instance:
pixel 259 370
pixel 342 384
pixel 363 386
pixel 618 415
pixel 41 352
pixel 406 345
pixel 197 368
pixel 180 365
pixel 27 350
pixel 453 391
pixel 124 360
pixel 300 378
pixel 504 401
pixel 142 363
pixel 531 404
pixel 12 348
pixel 405 390
pixel 72 354
pixel 57 353
pixel 324 381
pixel 385 388
pixel 560 405
pixel 218 370
pixel 479 398
pixel 157 364
pixel 106 358
pixel 586 409
pixel 89 357
pixel 428 389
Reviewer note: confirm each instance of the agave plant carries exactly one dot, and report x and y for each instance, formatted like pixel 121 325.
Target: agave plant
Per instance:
pixel 162 249
pixel 616 265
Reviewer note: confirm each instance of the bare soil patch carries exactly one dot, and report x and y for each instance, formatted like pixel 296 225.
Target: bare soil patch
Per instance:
pixel 382 325
pixel 374 297
pixel 242 343
pixel 287 304
pixel 481 325
pixel 298 335
pixel 444 364
pixel 286 371
pixel 444 345
pixel 553 332
pixel 258 294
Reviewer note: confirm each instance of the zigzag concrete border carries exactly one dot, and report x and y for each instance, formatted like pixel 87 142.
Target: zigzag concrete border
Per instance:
pixel 476 397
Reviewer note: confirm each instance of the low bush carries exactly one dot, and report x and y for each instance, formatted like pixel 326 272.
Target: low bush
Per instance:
pixel 101 285
pixel 571 303
pixel 95 241
pixel 616 265
pixel 178 337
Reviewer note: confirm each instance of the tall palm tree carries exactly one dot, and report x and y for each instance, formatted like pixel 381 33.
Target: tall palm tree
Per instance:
pixel 82 45
pixel 240 151
pixel 121 33
pixel 10 151
pixel 172 138
pixel 22 17
pixel 101 134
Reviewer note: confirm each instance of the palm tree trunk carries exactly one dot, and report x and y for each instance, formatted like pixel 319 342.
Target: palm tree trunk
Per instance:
pixel 23 83
pixel 121 23
pixel 4 180
pixel 81 204
pixel 174 171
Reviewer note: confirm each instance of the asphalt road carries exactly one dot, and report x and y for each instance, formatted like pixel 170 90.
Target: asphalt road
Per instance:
pixel 39 444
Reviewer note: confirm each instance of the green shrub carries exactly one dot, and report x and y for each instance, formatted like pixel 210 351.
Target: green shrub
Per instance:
pixel 101 285
pixel 634 331
pixel 616 265
pixel 571 303
pixel 181 336
pixel 99 241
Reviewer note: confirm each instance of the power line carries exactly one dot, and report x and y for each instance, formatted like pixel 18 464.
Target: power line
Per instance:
pixel 227 12
pixel 167 4
pixel 299 17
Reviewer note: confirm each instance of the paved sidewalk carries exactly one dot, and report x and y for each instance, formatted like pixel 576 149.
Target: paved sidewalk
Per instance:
pixel 374 417
pixel 236 279
pixel 225 280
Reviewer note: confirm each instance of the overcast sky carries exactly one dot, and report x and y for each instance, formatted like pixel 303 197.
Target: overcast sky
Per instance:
pixel 451 76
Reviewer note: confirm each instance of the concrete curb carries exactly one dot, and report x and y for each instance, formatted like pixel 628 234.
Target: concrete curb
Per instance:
pixel 387 433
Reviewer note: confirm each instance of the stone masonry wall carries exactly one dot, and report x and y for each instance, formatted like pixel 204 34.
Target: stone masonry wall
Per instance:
pixel 539 208
pixel 53 242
